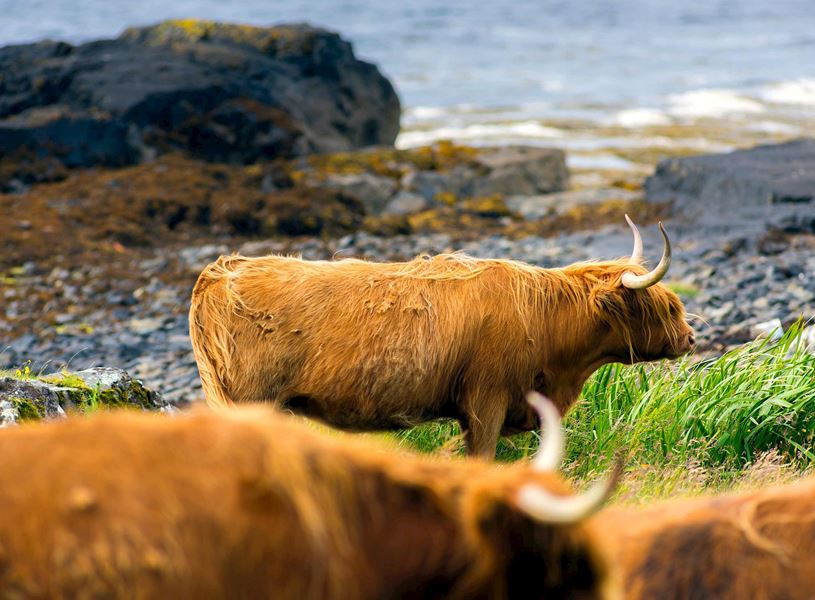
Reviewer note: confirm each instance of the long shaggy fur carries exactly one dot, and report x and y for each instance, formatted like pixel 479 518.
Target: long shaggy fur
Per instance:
pixel 382 345
pixel 758 545
pixel 251 504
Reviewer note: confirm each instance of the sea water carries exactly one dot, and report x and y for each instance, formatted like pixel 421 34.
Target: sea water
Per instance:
pixel 596 77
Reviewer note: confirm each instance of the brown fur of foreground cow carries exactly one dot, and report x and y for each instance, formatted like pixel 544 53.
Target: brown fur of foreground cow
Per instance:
pixel 757 545
pixel 254 505
pixel 367 346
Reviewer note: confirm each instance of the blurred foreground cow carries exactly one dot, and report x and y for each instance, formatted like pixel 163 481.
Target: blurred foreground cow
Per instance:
pixel 253 505
pixel 757 545
pixel 367 346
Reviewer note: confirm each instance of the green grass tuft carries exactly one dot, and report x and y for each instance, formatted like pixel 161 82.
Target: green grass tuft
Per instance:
pixel 682 425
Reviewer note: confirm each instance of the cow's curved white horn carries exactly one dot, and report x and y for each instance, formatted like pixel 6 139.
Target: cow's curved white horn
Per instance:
pixel 550 451
pixel 639 282
pixel 636 254
pixel 546 507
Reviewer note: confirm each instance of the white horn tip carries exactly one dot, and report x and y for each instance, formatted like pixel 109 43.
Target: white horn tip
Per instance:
pixel 540 504
pixel 550 452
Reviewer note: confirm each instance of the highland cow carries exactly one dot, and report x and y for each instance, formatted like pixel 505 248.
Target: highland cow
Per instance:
pixel 758 545
pixel 366 346
pixel 251 504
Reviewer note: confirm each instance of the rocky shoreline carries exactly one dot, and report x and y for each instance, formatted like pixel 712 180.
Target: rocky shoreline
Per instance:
pixel 733 284
pixel 98 263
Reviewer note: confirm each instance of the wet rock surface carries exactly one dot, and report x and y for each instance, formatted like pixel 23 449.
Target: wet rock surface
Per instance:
pixel 766 187
pixel 217 91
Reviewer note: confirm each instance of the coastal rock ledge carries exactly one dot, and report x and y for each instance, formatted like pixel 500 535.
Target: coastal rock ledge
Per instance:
pixel 771 186
pixel 221 92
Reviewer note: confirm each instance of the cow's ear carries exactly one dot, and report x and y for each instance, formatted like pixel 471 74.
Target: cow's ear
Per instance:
pixel 606 300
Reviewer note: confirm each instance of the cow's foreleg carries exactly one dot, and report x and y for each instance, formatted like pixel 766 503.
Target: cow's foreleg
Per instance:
pixel 484 416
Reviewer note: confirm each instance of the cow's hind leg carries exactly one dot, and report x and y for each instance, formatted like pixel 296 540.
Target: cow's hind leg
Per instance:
pixel 483 418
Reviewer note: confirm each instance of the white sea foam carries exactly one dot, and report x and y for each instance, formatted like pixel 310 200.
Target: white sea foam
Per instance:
pixel 461 115
pixel 553 85
pixel 426 112
pixel 599 161
pixel 479 132
pixel 774 127
pixel 799 91
pixel 641 117
pixel 712 103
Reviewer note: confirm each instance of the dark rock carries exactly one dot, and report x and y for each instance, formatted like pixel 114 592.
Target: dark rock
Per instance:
pixel 77 138
pixel 773 242
pixel 748 188
pixel 733 246
pixel 221 92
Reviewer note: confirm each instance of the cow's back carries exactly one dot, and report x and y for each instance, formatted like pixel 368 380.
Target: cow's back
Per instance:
pixel 141 507
pixel 758 544
pixel 345 338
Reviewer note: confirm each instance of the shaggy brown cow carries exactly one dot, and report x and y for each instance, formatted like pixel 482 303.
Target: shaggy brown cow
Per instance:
pixel 367 346
pixel 758 545
pixel 253 505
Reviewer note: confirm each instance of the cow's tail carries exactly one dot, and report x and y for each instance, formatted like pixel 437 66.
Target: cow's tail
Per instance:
pixel 210 332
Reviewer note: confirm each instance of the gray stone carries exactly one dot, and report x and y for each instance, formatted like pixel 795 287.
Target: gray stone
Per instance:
pixel 405 203
pixel 521 170
pixel 372 191
pixel 808 338
pixel 771 329
pixel 458 181
pixel 145 326
pixel 747 189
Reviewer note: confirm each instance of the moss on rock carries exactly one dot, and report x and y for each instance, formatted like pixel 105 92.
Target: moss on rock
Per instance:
pixel 389 162
pixel 34 398
pixel 27 409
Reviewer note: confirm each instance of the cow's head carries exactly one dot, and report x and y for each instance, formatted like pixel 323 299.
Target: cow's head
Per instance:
pixel 616 311
pixel 531 531
pixel 643 319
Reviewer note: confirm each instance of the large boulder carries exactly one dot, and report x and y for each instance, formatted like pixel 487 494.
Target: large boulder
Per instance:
pixel 766 185
pixel 218 91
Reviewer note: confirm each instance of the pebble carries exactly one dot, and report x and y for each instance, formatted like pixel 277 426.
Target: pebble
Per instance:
pixel 771 329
